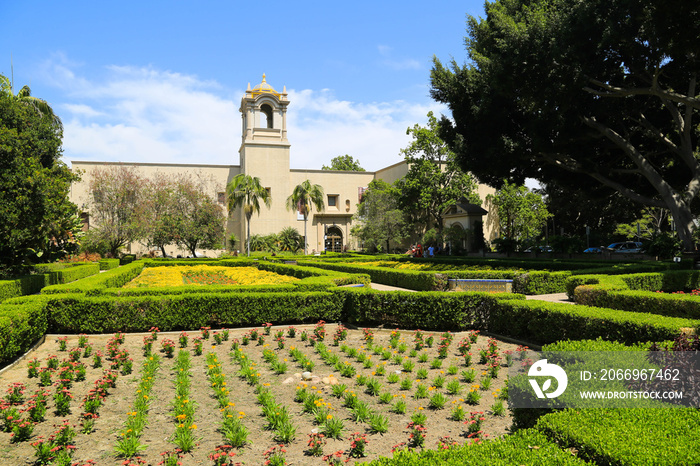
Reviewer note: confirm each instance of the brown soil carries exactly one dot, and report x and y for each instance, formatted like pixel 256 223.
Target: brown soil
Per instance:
pixel 99 445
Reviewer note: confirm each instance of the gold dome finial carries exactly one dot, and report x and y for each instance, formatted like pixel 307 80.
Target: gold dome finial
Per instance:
pixel 264 78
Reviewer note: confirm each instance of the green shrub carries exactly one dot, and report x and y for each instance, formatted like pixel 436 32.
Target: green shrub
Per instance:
pixel 425 310
pixel 28 284
pixel 533 283
pixel 108 264
pixel 627 436
pixel 410 279
pixel 21 325
pixel 114 278
pixel 542 322
pixel 76 313
pixel 523 447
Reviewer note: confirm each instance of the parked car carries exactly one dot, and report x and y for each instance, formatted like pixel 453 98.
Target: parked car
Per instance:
pixel 593 250
pixel 625 247
pixel 539 249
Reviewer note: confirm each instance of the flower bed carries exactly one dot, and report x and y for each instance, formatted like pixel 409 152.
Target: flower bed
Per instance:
pixel 206 275
pixel 368 393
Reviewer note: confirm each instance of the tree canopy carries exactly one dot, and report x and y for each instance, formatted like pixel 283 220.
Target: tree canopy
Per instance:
pixel 37 221
pixel 568 91
pixel 344 162
pixel 381 222
pixel 521 213
pixel 434 181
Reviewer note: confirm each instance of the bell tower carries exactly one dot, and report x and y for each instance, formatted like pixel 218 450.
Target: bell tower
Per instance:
pixel 264 151
pixel 264 137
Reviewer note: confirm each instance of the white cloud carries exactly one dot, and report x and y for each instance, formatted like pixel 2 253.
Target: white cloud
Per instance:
pixel 146 115
pixel 322 127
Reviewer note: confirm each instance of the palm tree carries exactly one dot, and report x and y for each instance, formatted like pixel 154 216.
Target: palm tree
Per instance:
pixel 25 95
pixel 246 191
pixel 304 196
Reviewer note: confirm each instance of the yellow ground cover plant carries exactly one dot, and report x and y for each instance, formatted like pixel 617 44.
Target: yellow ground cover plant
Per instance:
pixel 206 275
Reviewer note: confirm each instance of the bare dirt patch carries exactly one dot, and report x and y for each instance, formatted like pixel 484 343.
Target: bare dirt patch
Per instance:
pixel 157 437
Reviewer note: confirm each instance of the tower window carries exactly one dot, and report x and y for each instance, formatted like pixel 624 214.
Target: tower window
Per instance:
pixel 266 110
pixel 332 200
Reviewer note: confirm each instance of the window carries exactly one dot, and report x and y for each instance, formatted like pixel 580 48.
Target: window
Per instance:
pixel 266 110
pixel 333 200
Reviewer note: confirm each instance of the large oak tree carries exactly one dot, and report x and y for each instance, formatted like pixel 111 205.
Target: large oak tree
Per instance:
pixel 562 91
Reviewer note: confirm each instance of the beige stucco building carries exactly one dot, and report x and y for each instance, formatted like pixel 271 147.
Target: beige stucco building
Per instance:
pixel 265 153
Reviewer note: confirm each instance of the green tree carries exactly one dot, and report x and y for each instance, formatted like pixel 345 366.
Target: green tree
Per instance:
pixel 521 213
pixel 158 212
pixel 380 221
pixel 247 192
pixel 344 162
pixel 434 181
pixel 115 202
pixel 304 197
pixel 564 91
pixel 198 221
pixel 36 217
pixel 24 95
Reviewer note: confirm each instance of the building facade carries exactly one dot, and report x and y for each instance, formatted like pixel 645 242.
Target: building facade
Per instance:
pixel 265 153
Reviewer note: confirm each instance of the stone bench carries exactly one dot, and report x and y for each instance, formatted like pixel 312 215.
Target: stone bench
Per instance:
pixel 483 285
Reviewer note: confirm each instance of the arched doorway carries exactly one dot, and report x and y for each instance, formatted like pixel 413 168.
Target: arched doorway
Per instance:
pixel 334 239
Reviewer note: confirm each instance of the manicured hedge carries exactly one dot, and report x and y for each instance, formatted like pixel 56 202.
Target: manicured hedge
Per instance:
pixel 533 283
pixel 528 447
pixel 108 264
pixel 541 322
pixel 627 436
pixel 77 313
pixel 50 274
pixel 28 284
pixel 21 325
pixel 410 279
pixel 673 305
pixel 424 310
pixel 71 274
pixel 95 284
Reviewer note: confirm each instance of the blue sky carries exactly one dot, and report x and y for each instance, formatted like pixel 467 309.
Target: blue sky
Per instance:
pixel 157 81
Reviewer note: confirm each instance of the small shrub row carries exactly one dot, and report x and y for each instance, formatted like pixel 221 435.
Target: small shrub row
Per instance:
pixel 21 325
pixel 108 264
pixel 523 447
pixel 410 279
pixel 114 278
pixel 541 322
pixel 76 313
pixel 49 274
pixel 627 436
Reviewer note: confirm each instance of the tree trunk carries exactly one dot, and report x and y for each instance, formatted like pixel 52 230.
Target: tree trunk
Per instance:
pixel 305 238
pixel 248 235
pixel 683 218
pixel 162 249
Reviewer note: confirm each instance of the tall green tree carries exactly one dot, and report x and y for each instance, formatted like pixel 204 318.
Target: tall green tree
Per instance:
pixel 434 181
pixel 562 91
pixel 247 192
pixel 198 221
pixel 37 221
pixel 158 212
pixel 115 203
pixel 379 219
pixel 521 213
pixel 344 162
pixel 303 199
